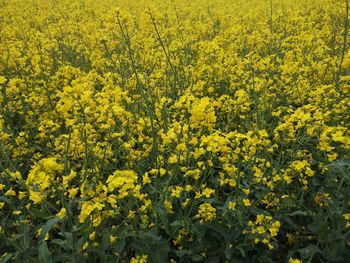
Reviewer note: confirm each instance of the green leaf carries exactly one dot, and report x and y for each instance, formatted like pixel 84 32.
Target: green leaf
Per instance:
pixel 241 250
pixel 290 222
pixel 24 238
pixel 6 200
pixel 6 258
pixel 239 217
pixel 119 246
pixel 81 241
pixel 299 212
pixel 309 251
pixel 164 219
pixel 47 227
pixel 139 246
pixel 213 260
pixel 218 228
pixel 44 253
pixel 59 241
pixel 176 223
pixel 160 251
pixel 196 257
pixel 228 252
pixel 40 214
pixel 181 253
pixel 339 163
pixel 341 166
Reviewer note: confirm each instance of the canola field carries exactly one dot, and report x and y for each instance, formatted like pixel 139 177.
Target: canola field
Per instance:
pixel 174 131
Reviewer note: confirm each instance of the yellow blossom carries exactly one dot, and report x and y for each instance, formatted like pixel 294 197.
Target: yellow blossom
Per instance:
pixel 36 197
pixel 62 213
pixel 206 212
pixel 231 205
pixel 10 192
pixel 246 202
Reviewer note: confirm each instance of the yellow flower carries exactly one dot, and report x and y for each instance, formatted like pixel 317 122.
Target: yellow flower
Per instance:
pixel 274 228
pixel 68 178
pixel 2 80
pixel 259 218
pixel 246 191
pixel 92 236
pixel 86 209
pixel 73 192
pixel 62 213
pixel 131 214
pixel 206 212
pixel 207 192
pixel 22 195
pixel 162 172
pixel 231 205
pixel 202 114
pixel 246 202
pixel 168 207
pixel 263 133
pixel 185 203
pixel 122 181
pixel 10 193
pixel 173 159
pixel 188 188
pixel 346 63
pixel 139 259
pixel 346 216
pixel 85 246
pixel 261 229
pixel 176 192
pixel 16 175
pixel 146 179
pixel 113 239
pixel 97 221
pixel 36 197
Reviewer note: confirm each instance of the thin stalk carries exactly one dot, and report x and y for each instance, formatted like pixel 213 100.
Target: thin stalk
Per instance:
pixel 164 50
pixel 271 21
pixel 345 37
pixel 139 85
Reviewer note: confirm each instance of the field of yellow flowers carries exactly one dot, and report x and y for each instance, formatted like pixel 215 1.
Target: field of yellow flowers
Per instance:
pixel 174 131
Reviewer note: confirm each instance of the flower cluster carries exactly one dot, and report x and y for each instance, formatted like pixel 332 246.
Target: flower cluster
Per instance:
pixel 263 229
pixel 206 212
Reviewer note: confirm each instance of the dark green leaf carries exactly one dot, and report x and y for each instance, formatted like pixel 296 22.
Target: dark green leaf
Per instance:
pixel 196 257
pixel 164 219
pixel 176 223
pixel 47 227
pixel 6 258
pixel 119 246
pixel 309 251
pixel 299 212
pixel 44 253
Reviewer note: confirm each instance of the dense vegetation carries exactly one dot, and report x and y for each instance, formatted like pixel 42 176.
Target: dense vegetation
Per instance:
pixel 174 131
